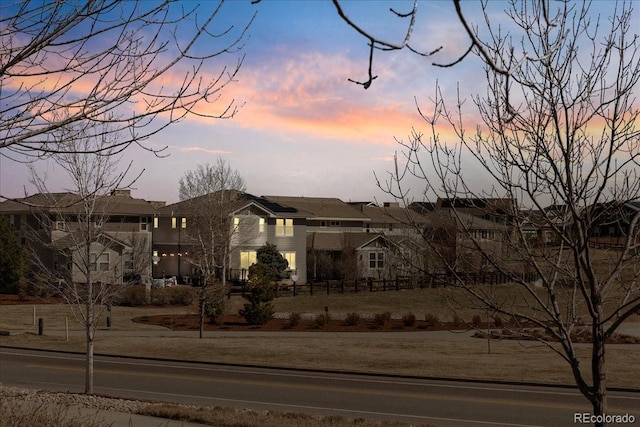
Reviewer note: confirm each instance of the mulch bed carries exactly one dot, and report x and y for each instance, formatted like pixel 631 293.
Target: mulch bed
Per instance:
pixel 237 323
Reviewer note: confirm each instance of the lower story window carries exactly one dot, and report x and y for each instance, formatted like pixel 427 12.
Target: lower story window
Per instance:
pixel 100 262
pixel 376 260
pixel 247 259
pixel 291 259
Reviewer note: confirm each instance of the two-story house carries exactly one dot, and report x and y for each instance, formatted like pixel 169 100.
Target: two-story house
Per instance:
pixel 59 230
pixel 248 222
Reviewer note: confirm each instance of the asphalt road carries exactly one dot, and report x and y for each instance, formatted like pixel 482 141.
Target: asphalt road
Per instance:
pixel 443 403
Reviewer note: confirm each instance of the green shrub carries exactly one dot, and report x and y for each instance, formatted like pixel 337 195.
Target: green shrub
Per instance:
pixel 260 292
pixel 352 319
pixel 409 319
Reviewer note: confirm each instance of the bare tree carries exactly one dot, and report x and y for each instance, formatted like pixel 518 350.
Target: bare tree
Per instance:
pixel 210 194
pixel 476 45
pixel 558 134
pixel 138 65
pixel 77 230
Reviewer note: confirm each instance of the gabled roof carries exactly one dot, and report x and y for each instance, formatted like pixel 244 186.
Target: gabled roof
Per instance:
pixel 392 215
pixel 448 218
pixel 69 242
pixel 120 203
pixel 320 208
pixel 235 201
pixel 338 241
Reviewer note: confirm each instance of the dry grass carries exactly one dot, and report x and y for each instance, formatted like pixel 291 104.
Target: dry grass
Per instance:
pixel 227 417
pixel 444 354
pixel 15 412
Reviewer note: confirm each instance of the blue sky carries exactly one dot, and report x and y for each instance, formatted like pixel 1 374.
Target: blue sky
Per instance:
pixel 304 129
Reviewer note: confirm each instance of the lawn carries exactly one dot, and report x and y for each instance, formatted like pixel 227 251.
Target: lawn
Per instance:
pixel 441 353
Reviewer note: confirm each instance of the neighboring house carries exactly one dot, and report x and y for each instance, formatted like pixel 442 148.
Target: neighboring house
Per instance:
pixel 614 222
pixel 461 240
pixel 121 226
pixel 498 210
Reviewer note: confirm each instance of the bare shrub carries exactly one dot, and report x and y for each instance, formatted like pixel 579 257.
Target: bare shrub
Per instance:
pixel 132 296
pixel 381 319
pixel 352 319
pixel 476 321
pixel 457 320
pixel 498 322
pixel 294 320
pixel 409 319
pixel 431 319
pixel 321 320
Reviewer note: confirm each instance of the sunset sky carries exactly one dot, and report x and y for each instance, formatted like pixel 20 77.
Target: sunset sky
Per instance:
pixel 304 129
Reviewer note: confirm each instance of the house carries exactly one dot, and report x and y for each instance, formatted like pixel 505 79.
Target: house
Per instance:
pixel 248 223
pixel 613 222
pixel 57 227
pixel 332 233
pixel 463 241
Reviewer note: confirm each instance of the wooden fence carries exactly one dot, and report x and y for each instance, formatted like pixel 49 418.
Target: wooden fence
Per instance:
pixel 387 285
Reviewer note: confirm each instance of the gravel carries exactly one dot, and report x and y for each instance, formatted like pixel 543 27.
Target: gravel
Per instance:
pixel 39 397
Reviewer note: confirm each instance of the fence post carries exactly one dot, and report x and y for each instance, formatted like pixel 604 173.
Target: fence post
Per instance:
pixel 40 326
pixel 370 284
pixel 397 284
pixel 384 285
pixel 294 289
pixel 310 288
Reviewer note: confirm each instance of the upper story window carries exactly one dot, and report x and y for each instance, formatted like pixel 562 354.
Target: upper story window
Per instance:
pixel 261 223
pixel 155 221
pixel 284 227
pixel 376 260
pixel 183 222
pixel 335 223
pixel 61 226
pixel 174 222
pixel 144 223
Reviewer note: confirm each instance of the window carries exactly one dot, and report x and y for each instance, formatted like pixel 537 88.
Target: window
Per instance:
pixel 100 262
pixel 367 228
pixel 376 260
pixel 127 261
pixel 335 223
pixel 236 222
pixel 284 227
pixel 183 222
pixel 155 221
pixel 144 223
pixel 261 225
pixel 174 222
pixel 61 226
pixel 291 259
pixel 155 258
pixel 247 259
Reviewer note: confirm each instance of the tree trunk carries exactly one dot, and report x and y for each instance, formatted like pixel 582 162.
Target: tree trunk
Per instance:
pixel 202 303
pixel 599 397
pixel 88 376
